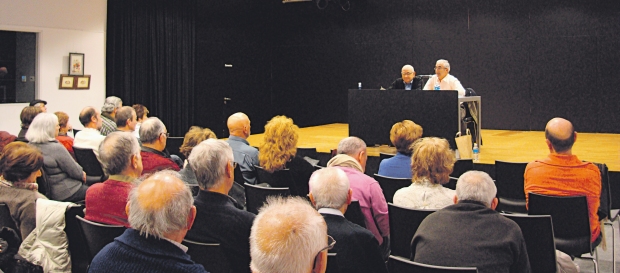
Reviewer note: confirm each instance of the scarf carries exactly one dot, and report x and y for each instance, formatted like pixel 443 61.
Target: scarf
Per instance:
pixel 343 160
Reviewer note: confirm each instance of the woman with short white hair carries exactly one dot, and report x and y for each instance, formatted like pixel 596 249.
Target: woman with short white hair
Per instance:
pixel 64 175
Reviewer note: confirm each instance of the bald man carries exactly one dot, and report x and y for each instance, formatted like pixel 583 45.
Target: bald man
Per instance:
pixel 245 155
pixel 563 174
pixel 160 211
pixel 408 81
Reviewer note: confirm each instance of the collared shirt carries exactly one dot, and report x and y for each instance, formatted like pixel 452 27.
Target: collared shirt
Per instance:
pixel 448 83
pixel 108 125
pixel 88 138
pixel 182 247
pixel 330 211
pixel 408 85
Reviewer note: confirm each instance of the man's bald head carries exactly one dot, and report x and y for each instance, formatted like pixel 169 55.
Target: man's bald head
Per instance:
pixel 239 125
pixel 561 134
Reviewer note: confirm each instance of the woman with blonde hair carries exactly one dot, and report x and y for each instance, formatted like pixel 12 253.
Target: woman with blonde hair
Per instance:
pixel 431 164
pixel 402 135
pixel 193 137
pixel 278 151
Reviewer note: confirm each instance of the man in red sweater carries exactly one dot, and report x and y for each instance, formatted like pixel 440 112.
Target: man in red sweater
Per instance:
pixel 105 202
pixel 563 174
pixel 154 135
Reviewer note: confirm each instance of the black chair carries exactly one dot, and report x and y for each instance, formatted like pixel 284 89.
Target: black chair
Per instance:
pixel 173 144
pixel 383 156
pixel 239 175
pixel 571 224
pixel 257 195
pixel 44 187
pixel 97 235
pixel 451 183
pixel 538 234
pixel 332 263
pixel 461 166
pixel 389 185
pixel 607 208
pixel 6 220
pixel 309 152
pixel 280 179
pixel 354 214
pixel 404 223
pixel 210 255
pixel 509 182
pixel 80 259
pixel 89 162
pixel 402 265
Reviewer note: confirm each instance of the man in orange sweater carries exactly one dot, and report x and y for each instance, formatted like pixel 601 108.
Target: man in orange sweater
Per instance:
pixel 563 174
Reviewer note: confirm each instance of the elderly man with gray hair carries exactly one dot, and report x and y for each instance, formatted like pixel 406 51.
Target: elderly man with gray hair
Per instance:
pixel 219 218
pixel 119 154
pixel 409 81
pixel 153 134
pixel 108 113
pixel 442 80
pixel 357 249
pixel 351 158
pixel 161 211
pixel 289 236
pixel 471 233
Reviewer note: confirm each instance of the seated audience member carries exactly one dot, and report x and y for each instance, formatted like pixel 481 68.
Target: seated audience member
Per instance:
pixel 141 115
pixel 245 155
pixel 563 174
pixel 409 81
pixel 126 119
pixel 63 137
pixel 154 135
pixel 89 137
pixel 431 164
pixel 20 165
pixel 108 113
pixel 442 80
pixel 289 236
pixel 357 250
pixel 120 158
pixel 402 135
pixel 64 175
pixel 351 159
pixel 26 117
pixel 471 233
pixel 41 104
pixel 278 151
pixel 217 219
pixel 160 211
pixel 193 137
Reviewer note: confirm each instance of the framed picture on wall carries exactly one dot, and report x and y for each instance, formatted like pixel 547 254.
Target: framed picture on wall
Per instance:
pixel 66 82
pixel 83 82
pixel 76 64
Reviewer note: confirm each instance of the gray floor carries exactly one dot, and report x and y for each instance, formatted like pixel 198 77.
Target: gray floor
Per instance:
pixel 604 256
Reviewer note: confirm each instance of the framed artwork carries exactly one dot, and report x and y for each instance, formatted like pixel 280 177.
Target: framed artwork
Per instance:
pixel 76 64
pixel 83 82
pixel 66 82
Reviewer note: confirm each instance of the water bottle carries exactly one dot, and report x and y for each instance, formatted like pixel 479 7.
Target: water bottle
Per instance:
pixel 437 87
pixel 476 152
pixel 359 85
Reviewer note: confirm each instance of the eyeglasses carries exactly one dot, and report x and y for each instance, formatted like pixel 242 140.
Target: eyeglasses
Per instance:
pixel 407 73
pixel 330 244
pixel 166 134
pixel 234 164
pixel 439 67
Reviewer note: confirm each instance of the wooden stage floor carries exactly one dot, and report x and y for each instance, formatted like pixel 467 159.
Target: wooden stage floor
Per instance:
pixel 515 146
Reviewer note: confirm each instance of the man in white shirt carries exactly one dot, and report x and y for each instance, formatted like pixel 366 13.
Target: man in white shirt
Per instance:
pixel 442 80
pixel 90 137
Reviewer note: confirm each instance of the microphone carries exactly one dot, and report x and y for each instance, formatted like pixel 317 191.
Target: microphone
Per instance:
pixel 227 99
pixel 426 77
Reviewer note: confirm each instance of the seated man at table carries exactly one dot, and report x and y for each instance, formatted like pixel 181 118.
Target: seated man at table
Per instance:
pixel 408 81
pixel 442 80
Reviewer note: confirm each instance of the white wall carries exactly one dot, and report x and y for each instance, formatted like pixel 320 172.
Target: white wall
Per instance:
pixel 63 26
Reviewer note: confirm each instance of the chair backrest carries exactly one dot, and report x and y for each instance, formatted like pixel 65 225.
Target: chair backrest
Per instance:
pixel 461 166
pixel 77 246
pixel 6 220
pixel 280 179
pixel 538 234
pixel 97 235
pixel 509 182
pixel 88 160
pixel 173 144
pixel 451 183
pixel 44 186
pixel 402 265
pixel 389 185
pixel 239 175
pixel 210 255
pixel 354 214
pixel 309 152
pixel 571 224
pixel 404 223
pixel 383 156
pixel 332 263
pixel 604 210
pixel 255 196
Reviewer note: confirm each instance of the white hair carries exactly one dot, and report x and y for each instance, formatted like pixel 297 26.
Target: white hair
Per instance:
pixel 351 146
pixel 169 217
pixel 115 151
pixel 208 160
pixel 476 186
pixel 150 130
pixel 111 103
pixel 445 63
pixel 408 66
pixel 286 236
pixel 43 128
pixel 329 187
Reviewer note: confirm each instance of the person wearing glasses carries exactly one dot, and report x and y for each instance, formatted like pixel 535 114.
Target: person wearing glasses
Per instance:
pixel 409 81
pixel 442 80
pixel 219 218
pixel 357 250
pixel 154 135
pixel 289 236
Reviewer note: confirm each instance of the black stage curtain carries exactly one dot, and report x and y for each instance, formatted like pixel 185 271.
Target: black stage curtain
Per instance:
pixel 150 56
